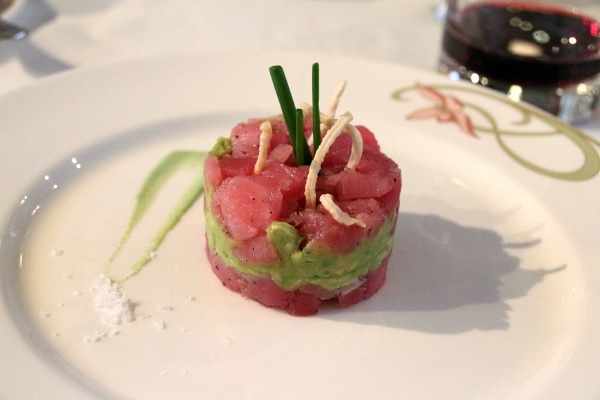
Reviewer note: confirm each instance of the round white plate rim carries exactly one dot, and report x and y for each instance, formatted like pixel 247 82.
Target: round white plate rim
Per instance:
pixel 84 76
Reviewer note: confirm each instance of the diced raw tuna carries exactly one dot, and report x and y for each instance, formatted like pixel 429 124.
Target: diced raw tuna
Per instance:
pixel 244 204
pixel 304 301
pixel 256 250
pixel 324 233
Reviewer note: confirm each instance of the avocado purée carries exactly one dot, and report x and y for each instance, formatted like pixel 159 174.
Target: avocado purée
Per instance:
pixel 221 147
pixel 299 266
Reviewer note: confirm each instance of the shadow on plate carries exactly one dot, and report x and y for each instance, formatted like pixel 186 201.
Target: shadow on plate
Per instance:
pixel 446 278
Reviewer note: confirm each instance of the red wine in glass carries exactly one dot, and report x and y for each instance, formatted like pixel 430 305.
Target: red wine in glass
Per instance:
pixel 536 46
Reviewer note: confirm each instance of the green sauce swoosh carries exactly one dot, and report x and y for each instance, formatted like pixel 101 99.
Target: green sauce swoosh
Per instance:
pixel 155 181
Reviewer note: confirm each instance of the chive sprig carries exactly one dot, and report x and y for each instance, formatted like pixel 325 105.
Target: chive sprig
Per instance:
pixel 316 113
pixel 294 117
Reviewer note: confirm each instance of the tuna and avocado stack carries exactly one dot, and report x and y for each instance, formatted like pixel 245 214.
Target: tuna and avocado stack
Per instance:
pixel 301 208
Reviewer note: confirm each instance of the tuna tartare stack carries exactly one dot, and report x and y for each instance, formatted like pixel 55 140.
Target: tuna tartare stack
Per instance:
pixel 294 236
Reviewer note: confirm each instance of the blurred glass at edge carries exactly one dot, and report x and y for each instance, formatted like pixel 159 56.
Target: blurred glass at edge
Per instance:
pixel 544 52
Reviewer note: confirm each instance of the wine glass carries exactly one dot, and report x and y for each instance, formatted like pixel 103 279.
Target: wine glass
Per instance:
pixel 545 52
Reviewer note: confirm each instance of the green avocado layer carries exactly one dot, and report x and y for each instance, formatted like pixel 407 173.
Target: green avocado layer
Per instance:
pixel 299 266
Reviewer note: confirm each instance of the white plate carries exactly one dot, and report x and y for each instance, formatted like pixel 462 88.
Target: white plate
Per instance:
pixel 493 285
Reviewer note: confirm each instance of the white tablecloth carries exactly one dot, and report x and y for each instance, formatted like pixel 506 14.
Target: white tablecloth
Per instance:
pixel 68 34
